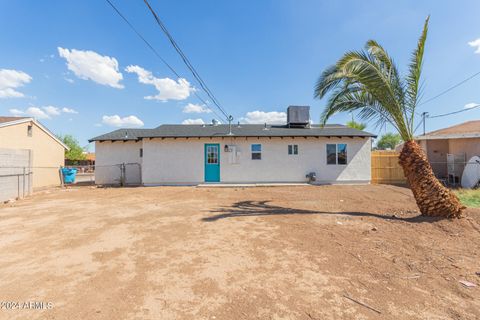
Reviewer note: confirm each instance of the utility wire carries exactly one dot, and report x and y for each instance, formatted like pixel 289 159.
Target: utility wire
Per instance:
pixel 454 112
pixel 157 54
pixel 450 88
pixel 186 60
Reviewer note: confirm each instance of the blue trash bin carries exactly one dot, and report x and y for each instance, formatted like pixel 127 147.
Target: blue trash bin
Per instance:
pixel 69 175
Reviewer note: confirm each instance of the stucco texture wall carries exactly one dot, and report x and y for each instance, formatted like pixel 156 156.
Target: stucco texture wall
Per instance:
pixel 108 157
pixel 470 146
pixel 181 161
pixel 47 154
pixel 437 151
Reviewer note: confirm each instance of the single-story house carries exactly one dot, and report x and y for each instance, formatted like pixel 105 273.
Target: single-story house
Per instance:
pixel 46 151
pixel 237 153
pixel 450 148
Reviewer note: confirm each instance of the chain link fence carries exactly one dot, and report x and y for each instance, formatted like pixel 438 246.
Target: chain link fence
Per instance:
pixel 15 182
pixel 122 174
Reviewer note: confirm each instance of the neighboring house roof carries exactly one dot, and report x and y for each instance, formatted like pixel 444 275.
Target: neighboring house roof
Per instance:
pixel 469 129
pixel 10 121
pixel 90 156
pixel 222 130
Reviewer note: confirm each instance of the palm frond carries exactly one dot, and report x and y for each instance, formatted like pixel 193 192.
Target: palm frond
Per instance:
pixel 369 82
pixel 414 73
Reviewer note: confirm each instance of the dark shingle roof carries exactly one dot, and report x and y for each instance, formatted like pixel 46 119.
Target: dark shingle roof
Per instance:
pixel 122 134
pixel 222 130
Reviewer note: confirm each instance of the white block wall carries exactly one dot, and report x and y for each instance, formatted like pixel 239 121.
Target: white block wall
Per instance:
pixel 109 155
pixel 181 161
pixel 13 164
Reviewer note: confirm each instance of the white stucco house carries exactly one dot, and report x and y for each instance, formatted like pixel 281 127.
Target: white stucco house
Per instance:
pixel 240 153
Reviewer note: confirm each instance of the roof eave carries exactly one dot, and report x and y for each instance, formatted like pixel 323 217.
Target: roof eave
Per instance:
pixel 449 136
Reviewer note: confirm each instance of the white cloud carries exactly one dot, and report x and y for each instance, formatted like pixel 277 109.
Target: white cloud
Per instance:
pixel 10 80
pixel 272 117
pixel 89 65
pixel 16 112
pixel 69 110
pixel 471 105
pixel 117 121
pixel 34 112
pixel 196 108
pixel 46 112
pixel 475 44
pixel 52 111
pixel 70 80
pixel 168 89
pixel 193 121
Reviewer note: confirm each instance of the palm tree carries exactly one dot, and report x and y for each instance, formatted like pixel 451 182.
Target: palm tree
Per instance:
pixel 356 125
pixel 368 81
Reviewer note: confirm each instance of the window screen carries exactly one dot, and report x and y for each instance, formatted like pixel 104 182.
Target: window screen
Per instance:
pixel 256 151
pixel 341 153
pixel 331 154
pixel 337 153
pixel 292 149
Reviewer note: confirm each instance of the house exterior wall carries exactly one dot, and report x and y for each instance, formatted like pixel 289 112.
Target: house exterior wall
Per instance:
pixel 110 155
pixel 470 146
pixel 181 161
pixel 437 151
pixel 47 154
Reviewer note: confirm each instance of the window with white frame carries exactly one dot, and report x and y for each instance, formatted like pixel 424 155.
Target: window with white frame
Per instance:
pixel 337 153
pixel 256 152
pixel 292 149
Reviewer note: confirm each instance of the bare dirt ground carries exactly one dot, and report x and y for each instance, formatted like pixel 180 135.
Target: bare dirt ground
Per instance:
pixel 236 253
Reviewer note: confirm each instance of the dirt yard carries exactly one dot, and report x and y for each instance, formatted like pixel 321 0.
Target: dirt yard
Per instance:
pixel 236 253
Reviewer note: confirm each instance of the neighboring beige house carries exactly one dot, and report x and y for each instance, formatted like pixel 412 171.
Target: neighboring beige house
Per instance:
pixel 47 151
pixel 448 149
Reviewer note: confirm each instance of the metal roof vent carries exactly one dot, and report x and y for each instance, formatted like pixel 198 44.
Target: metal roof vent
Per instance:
pixel 214 122
pixel 298 116
pixel 126 134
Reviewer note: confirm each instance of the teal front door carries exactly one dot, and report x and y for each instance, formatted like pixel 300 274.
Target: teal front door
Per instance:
pixel 212 163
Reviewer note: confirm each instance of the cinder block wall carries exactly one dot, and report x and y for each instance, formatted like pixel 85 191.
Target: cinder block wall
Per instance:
pixel 15 177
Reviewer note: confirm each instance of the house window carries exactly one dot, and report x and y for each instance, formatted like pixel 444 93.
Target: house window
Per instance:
pixel 141 152
pixel 256 152
pixel 29 130
pixel 293 149
pixel 337 153
pixel 212 154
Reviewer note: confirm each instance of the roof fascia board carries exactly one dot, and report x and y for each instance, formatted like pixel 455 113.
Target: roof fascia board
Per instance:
pixel 448 136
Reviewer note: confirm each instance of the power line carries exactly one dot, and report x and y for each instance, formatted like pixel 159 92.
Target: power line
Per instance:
pixel 186 60
pixel 454 112
pixel 157 54
pixel 450 88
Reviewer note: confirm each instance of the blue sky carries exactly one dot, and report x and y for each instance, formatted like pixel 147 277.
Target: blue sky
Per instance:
pixel 80 69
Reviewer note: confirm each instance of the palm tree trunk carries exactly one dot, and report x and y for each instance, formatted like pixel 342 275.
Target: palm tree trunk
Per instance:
pixel 433 199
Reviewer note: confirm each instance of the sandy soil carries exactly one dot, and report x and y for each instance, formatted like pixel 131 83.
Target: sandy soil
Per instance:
pixel 236 253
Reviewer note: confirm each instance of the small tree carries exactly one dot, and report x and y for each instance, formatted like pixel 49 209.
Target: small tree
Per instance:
pixel 389 141
pixel 356 125
pixel 75 152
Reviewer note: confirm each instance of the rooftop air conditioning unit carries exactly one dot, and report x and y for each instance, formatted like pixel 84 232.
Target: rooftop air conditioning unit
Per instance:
pixel 298 116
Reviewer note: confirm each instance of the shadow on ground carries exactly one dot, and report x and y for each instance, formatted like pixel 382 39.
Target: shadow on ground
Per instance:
pixel 263 208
